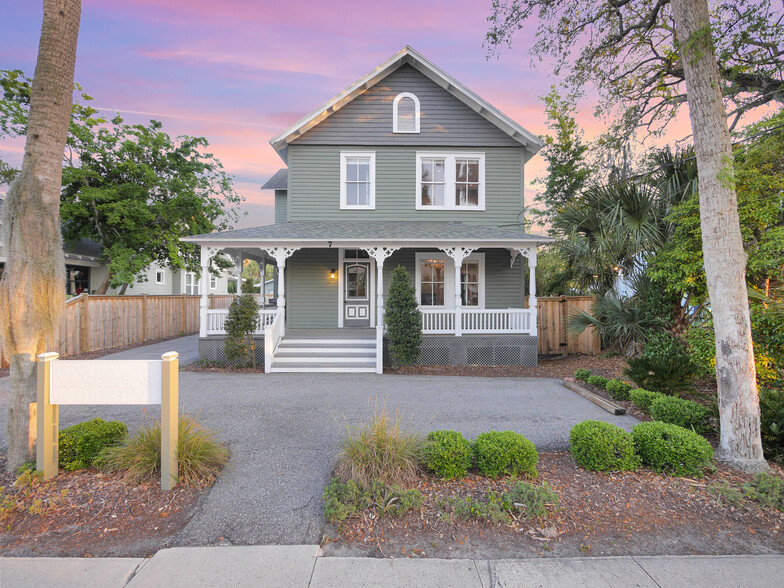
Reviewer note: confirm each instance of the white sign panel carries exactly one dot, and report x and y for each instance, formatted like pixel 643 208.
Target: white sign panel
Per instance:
pixel 105 382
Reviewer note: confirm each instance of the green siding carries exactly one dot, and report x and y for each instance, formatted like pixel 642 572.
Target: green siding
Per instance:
pixel 281 206
pixel 311 297
pixel 314 185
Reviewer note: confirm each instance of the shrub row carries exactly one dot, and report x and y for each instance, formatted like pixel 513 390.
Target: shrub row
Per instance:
pixel 662 446
pixel 495 453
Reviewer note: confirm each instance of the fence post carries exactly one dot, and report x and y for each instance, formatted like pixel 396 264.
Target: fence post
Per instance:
pixel 184 314
pixel 169 424
pixel 84 325
pixel 144 317
pixel 48 419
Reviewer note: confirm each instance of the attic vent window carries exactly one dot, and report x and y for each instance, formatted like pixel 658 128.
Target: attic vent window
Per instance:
pixel 405 113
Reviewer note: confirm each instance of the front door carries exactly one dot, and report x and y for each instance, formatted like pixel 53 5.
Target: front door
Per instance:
pixel 356 296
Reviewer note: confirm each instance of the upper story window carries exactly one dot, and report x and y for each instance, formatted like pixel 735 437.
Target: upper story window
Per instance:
pixel 405 113
pixel 213 282
pixel 358 180
pixel 450 181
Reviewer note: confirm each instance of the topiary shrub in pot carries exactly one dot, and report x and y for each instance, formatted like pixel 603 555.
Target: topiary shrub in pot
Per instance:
pixel 618 389
pixel 505 452
pixel 678 411
pixel 598 381
pixel 448 454
pixel 603 447
pixel 672 449
pixel 582 374
pixel 642 398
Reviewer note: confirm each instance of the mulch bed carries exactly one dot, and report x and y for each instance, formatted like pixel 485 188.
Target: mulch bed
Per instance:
pixel 631 513
pixel 103 352
pixel 88 513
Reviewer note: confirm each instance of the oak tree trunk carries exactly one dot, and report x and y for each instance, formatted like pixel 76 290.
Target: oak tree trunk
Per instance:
pixel 725 260
pixel 32 290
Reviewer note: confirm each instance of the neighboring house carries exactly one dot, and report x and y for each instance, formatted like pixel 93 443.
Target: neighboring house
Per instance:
pixel 405 167
pixel 84 273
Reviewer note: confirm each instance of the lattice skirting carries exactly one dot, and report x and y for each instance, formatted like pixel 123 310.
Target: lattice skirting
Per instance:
pixel 475 350
pixel 211 350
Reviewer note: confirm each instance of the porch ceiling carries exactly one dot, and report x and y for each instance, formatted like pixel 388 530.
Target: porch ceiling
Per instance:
pixel 356 233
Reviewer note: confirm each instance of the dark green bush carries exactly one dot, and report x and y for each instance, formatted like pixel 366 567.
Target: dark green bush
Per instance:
pixel 772 422
pixel 598 381
pixel 582 374
pixel 603 447
pixel 677 411
pixel 403 319
pixel 505 452
pixel 642 398
pixel 80 444
pixel 618 389
pixel 672 449
pixel 241 324
pixel 663 366
pixel 448 454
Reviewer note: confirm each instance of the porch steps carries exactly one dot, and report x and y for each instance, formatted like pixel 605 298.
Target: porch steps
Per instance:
pixel 319 354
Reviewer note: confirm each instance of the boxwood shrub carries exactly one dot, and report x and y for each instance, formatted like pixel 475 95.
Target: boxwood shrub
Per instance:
pixel 598 381
pixel 448 454
pixel 505 452
pixel 80 444
pixel 678 411
pixel 618 389
pixel 672 449
pixel 642 398
pixel 603 447
pixel 582 374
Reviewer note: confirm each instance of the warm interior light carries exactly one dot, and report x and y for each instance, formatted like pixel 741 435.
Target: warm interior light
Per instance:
pixel 333 274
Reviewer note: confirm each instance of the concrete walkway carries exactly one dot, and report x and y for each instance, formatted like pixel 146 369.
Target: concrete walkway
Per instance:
pixel 301 566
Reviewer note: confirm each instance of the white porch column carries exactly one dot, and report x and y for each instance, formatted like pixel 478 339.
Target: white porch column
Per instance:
pixel 281 254
pixel 204 303
pixel 380 254
pixel 532 287
pixel 239 276
pixel 458 255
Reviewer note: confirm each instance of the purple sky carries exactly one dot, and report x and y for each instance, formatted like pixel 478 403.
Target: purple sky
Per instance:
pixel 240 71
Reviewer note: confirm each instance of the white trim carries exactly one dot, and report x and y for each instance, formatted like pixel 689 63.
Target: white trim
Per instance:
pixel 398 98
pixel 162 281
pixel 426 67
pixel 450 189
pixel 371 155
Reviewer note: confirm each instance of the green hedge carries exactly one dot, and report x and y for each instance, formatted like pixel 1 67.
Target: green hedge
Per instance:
pixel 642 398
pixel 598 381
pixel 505 452
pixel 448 454
pixel 618 389
pixel 582 374
pixel 603 447
pixel 677 411
pixel 80 444
pixel 672 449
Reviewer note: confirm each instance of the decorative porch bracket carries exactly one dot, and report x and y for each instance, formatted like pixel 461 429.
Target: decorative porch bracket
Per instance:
pixel 380 254
pixel 530 254
pixel 458 255
pixel 281 254
pixel 207 253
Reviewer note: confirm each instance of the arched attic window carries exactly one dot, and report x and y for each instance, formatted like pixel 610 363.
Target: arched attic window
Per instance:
pixel 405 113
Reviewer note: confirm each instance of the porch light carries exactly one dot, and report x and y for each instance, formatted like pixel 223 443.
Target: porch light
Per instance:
pixel 333 274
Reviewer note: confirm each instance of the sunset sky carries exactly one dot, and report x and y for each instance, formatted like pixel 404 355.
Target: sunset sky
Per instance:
pixel 239 71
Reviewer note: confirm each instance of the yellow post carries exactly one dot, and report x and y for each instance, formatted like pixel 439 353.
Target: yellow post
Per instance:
pixel 48 419
pixel 169 424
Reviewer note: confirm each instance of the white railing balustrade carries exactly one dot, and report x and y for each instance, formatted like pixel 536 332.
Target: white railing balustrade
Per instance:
pixel 217 317
pixel 273 333
pixel 479 321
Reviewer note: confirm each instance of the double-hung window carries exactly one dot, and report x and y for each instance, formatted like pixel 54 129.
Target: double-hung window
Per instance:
pixel 213 282
pixel 432 285
pixel 191 283
pixel 435 281
pixel 450 181
pixel 357 180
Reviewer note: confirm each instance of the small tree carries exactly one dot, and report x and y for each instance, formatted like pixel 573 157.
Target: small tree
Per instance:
pixel 240 325
pixel 403 319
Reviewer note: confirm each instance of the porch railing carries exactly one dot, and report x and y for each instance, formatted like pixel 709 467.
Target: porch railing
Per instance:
pixel 479 321
pixel 273 333
pixel 217 317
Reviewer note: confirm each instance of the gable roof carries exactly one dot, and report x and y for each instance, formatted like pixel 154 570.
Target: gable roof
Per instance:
pixel 429 69
pixel 279 180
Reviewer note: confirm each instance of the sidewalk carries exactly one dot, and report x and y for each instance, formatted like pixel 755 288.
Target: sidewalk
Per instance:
pixel 302 566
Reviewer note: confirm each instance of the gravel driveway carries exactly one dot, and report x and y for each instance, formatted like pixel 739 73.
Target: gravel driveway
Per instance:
pixel 284 431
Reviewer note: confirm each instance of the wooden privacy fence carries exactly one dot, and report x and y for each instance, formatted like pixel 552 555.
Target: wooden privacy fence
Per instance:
pixel 551 325
pixel 93 323
pixel 218 301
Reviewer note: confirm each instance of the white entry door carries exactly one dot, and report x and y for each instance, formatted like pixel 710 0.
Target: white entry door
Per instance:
pixel 356 296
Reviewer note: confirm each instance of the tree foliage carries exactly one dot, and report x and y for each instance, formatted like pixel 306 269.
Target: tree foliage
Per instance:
pixel 403 319
pixel 630 52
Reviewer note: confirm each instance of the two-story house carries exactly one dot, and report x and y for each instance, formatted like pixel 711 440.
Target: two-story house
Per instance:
pixel 404 167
